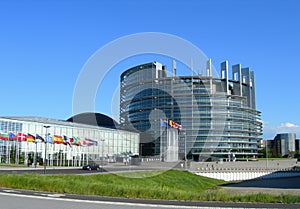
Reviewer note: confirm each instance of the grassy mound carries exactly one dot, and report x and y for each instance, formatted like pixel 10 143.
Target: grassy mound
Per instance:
pixel 171 185
pixel 168 185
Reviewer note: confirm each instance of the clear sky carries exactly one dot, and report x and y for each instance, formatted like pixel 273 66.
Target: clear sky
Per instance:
pixel 45 44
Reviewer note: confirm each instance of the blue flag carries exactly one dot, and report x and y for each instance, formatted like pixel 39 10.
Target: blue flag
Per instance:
pixel 39 138
pixel 12 136
pixel 49 139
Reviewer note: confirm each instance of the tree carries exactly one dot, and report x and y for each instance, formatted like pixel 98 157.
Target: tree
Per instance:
pixel 291 154
pixel 265 154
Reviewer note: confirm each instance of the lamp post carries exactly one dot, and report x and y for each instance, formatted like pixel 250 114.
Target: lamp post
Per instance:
pixel 128 153
pixel 102 142
pixel 229 155
pixel 266 147
pixel 35 154
pixel 141 152
pixel 45 161
pixel 185 155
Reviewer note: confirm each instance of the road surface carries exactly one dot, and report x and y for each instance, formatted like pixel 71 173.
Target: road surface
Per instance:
pixel 24 199
pixel 277 186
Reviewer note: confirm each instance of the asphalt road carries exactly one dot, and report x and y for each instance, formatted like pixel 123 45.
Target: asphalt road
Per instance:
pixel 277 186
pixel 77 170
pixel 275 183
pixel 49 171
pixel 71 170
pixel 15 199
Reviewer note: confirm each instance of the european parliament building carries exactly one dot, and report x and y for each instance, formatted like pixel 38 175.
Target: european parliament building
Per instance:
pixel 72 142
pixel 217 115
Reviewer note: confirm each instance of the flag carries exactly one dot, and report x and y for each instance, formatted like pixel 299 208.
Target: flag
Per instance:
pixel 67 141
pixel 49 139
pixel 172 124
pixel 90 142
pixel 38 138
pixel 4 136
pixel 87 143
pixel 164 123
pixel 58 139
pixel 30 138
pixel 75 141
pixel 72 140
pixel 12 136
pixel 21 137
pixel 78 141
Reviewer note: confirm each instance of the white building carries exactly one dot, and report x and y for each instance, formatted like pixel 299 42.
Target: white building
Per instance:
pixel 68 143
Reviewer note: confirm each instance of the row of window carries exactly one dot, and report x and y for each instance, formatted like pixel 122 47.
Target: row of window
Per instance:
pixel 6 126
pixel 109 138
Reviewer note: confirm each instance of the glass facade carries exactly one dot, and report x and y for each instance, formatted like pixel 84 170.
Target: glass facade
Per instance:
pixel 284 144
pixel 107 143
pixel 218 115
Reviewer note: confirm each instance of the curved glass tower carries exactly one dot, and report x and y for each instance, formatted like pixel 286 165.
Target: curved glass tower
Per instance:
pixel 218 115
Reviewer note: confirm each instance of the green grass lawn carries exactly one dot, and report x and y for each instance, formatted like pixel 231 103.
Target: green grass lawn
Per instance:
pixel 171 185
pixel 12 165
pixel 273 158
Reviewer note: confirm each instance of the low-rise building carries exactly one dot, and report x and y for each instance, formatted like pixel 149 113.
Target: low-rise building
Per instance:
pixel 60 142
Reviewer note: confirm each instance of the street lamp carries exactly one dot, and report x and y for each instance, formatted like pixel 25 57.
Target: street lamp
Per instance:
pixel 141 152
pixel 102 141
pixel 266 148
pixel 185 155
pixel 183 133
pixel 46 138
pixel 229 155
pixel 35 154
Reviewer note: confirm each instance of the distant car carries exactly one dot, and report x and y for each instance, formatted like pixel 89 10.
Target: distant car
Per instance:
pixel 91 166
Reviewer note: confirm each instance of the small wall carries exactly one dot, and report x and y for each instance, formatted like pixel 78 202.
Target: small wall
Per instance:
pixel 246 175
pixel 243 165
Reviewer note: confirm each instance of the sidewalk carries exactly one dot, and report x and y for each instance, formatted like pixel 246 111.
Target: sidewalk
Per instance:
pixel 11 168
pixel 111 167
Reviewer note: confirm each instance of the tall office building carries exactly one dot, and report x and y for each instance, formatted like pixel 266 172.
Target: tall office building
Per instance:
pixel 284 143
pixel 218 116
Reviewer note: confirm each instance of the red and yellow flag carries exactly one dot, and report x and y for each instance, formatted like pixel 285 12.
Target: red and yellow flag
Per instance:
pixel 58 139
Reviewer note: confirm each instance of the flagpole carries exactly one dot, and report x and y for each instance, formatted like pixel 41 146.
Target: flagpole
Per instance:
pixel 87 157
pixel 14 145
pixel 52 155
pixel 25 152
pixel 45 161
pixel 65 154
pixel 35 154
pixel 17 152
pixel 81 157
pixel 9 151
pixel 1 151
pixel 6 152
pixel 58 155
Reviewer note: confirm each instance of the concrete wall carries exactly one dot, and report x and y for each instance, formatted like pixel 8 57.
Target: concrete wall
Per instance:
pixel 246 175
pixel 238 171
pixel 244 165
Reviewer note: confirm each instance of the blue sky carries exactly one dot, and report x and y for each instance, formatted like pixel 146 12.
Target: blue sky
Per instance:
pixel 45 44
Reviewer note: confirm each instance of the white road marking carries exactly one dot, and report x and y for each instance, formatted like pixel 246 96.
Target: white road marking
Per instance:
pixel 50 195
pixel 107 202
pixel 11 190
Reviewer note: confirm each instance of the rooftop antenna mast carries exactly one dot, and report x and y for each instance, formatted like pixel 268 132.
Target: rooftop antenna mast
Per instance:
pixel 174 68
pixel 191 67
